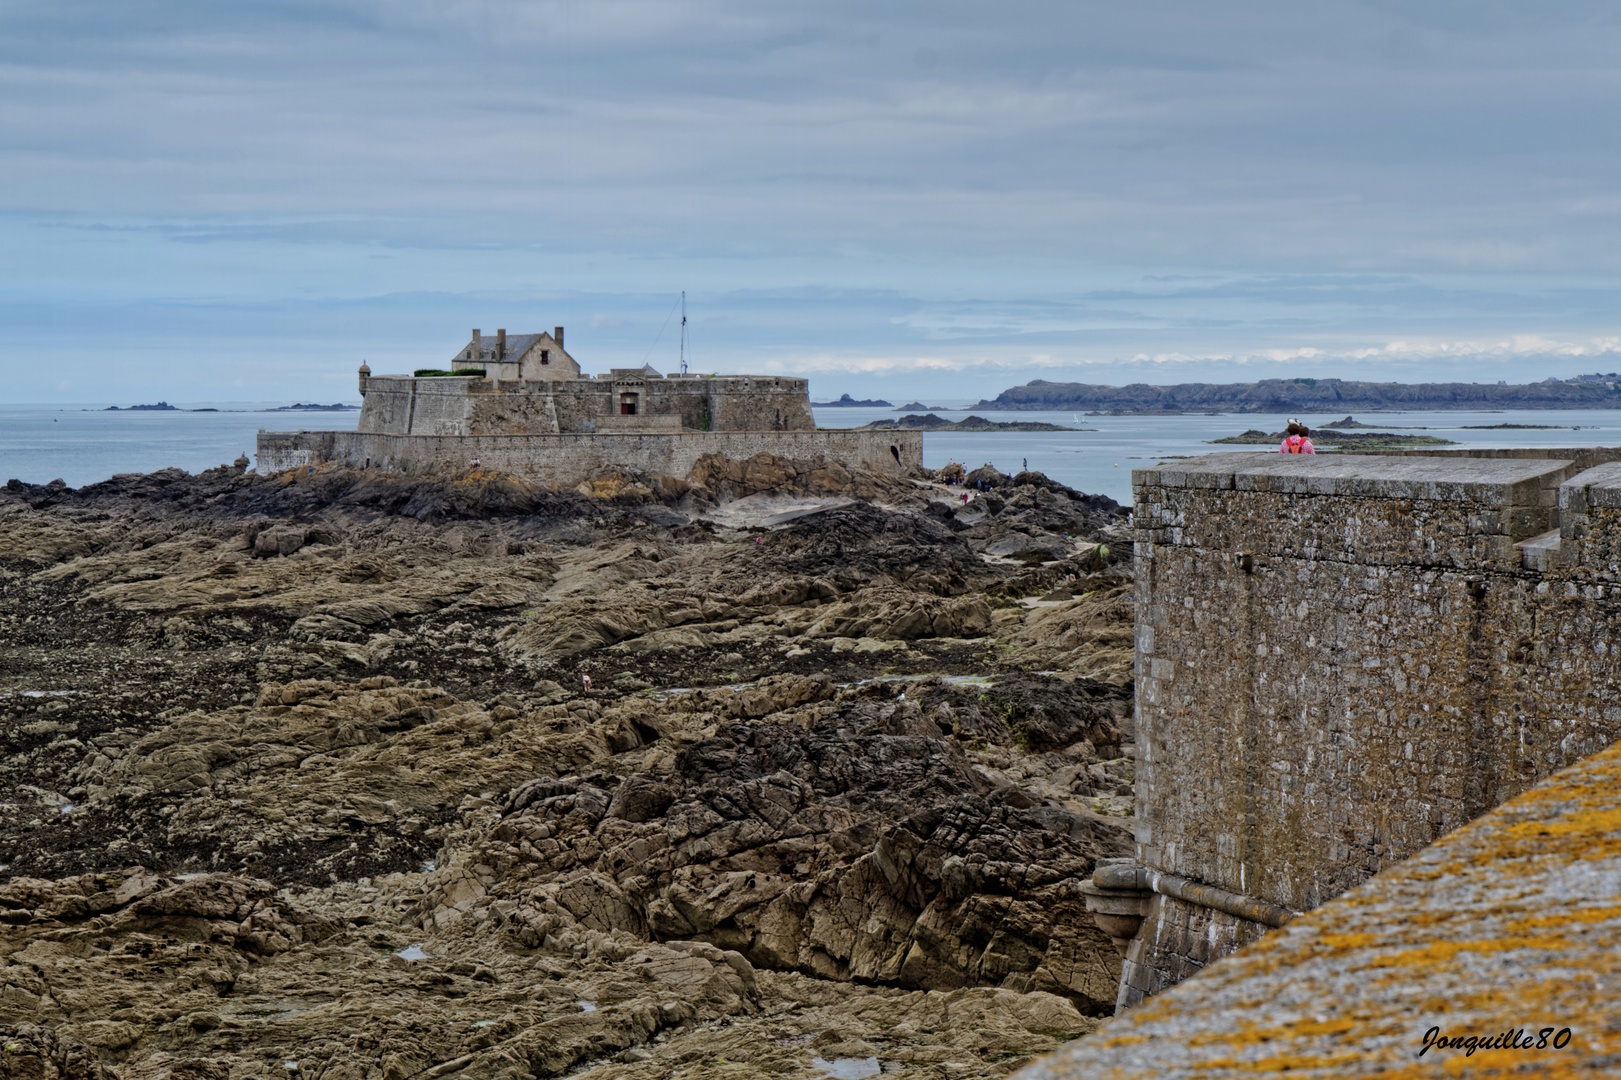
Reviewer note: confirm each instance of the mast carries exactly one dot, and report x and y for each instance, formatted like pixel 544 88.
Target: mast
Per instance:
pixel 683 331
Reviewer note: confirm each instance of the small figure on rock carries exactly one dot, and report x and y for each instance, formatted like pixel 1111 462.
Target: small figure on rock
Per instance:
pixel 586 680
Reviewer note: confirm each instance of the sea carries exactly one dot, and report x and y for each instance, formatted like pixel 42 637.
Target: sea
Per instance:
pixel 82 444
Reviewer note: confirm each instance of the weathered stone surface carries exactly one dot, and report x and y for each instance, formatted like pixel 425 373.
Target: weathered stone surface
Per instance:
pixel 1340 660
pixel 1461 938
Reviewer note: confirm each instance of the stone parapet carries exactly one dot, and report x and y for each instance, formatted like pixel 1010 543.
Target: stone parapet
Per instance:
pixel 1341 658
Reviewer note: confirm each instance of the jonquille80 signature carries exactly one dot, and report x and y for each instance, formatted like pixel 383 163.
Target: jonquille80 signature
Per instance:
pixel 1514 1039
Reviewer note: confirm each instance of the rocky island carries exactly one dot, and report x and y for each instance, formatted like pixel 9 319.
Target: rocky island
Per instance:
pixel 931 422
pixel 847 402
pixel 766 768
pixel 301 407
pixel 1334 436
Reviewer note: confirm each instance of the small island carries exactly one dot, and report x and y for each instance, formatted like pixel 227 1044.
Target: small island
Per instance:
pixel 931 422
pixel 162 406
pixel 314 408
pixel 1347 424
pixel 1365 440
pixel 847 402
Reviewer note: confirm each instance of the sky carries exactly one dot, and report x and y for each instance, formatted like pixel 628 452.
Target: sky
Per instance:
pixel 211 201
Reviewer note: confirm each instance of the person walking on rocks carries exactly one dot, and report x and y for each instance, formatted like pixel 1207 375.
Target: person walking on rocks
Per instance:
pixel 586 680
pixel 1296 439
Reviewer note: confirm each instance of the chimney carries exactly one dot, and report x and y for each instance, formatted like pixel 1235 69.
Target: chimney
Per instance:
pixel 557 336
pixel 477 347
pixel 500 345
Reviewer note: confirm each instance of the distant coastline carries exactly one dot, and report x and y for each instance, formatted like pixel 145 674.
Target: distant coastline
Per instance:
pixel 1309 395
pixel 847 402
pixel 931 422
pixel 164 406
pixel 314 408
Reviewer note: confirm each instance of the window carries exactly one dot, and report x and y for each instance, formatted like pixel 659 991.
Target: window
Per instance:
pixel 545 356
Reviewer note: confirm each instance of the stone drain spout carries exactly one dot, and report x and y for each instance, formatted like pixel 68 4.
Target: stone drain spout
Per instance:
pixel 1117 897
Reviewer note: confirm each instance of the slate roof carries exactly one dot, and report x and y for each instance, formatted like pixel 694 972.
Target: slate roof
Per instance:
pixel 517 344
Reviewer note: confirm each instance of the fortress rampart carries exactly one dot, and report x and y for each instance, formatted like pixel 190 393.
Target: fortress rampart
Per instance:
pixel 564 460
pixel 1341 658
pixel 632 399
pixel 559 429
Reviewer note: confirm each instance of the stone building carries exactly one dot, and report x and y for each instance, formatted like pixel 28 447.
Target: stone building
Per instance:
pixel 521 356
pixel 533 412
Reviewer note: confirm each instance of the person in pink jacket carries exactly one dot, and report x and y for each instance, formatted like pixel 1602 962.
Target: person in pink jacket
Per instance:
pixel 1297 439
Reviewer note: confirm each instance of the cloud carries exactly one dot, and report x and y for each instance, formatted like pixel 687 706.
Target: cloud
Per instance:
pixel 936 188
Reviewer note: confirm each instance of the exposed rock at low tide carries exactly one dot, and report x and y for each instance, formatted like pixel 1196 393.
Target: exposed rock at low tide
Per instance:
pixel 305 777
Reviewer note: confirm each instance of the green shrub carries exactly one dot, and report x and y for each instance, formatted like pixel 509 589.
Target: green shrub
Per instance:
pixel 430 373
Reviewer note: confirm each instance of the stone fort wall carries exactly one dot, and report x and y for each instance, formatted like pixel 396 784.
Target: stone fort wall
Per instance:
pixel 465 405
pixel 564 460
pixel 1341 658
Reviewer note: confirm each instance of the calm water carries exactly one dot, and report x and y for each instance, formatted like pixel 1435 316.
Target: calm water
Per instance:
pixel 82 444
pixel 1100 460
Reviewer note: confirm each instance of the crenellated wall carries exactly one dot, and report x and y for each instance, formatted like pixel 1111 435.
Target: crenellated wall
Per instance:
pixel 1341 658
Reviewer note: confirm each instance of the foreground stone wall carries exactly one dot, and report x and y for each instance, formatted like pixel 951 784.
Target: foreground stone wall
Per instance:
pixel 1340 659
pixel 564 460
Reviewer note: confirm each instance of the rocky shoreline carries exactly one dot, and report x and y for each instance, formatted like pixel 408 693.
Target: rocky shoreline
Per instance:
pixel 306 777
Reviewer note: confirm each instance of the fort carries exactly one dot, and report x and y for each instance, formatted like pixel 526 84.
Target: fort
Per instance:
pixel 1340 659
pixel 527 409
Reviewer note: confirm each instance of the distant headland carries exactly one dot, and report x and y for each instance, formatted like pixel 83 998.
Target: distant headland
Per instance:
pixel 162 406
pixel 1311 395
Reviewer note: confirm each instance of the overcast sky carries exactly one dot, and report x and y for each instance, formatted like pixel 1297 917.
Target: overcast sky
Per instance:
pixel 237 201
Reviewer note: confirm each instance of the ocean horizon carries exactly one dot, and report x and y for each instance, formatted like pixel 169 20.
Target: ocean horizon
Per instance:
pixel 84 444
